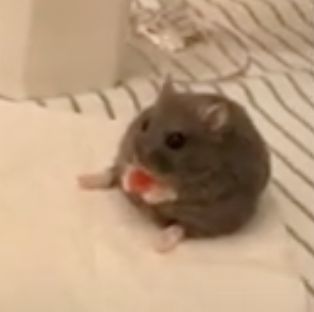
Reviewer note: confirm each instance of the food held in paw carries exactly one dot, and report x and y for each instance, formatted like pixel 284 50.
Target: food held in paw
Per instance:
pixel 140 181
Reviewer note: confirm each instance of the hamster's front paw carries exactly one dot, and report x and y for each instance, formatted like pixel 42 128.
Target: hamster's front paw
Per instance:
pixel 169 238
pixel 158 195
pixel 103 180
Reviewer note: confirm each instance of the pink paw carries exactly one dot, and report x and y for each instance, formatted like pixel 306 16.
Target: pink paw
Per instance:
pixel 96 181
pixel 86 181
pixel 158 195
pixel 169 238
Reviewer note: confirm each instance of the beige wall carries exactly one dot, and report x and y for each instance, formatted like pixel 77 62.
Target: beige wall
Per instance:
pixel 53 47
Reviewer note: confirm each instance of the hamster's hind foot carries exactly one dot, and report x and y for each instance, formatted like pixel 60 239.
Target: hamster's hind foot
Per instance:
pixel 103 180
pixel 169 238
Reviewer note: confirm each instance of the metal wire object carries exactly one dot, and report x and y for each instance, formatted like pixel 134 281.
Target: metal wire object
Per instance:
pixel 179 40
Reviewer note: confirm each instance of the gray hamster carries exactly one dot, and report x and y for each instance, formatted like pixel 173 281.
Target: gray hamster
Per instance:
pixel 208 162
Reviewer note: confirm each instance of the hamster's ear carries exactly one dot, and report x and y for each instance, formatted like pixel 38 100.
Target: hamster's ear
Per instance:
pixel 215 115
pixel 167 88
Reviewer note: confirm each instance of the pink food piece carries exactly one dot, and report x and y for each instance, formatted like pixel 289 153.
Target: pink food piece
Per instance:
pixel 140 181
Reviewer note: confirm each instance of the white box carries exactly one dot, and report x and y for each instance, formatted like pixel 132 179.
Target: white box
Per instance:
pixel 52 47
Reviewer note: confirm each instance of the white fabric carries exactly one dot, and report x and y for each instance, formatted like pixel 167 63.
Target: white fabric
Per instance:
pixel 62 249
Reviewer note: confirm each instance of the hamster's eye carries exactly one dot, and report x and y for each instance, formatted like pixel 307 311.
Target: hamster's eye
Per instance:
pixel 175 140
pixel 145 125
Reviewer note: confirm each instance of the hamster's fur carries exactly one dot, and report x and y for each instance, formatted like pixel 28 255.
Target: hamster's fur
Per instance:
pixel 204 148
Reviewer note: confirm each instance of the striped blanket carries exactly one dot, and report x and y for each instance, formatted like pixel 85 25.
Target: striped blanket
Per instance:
pixel 277 89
